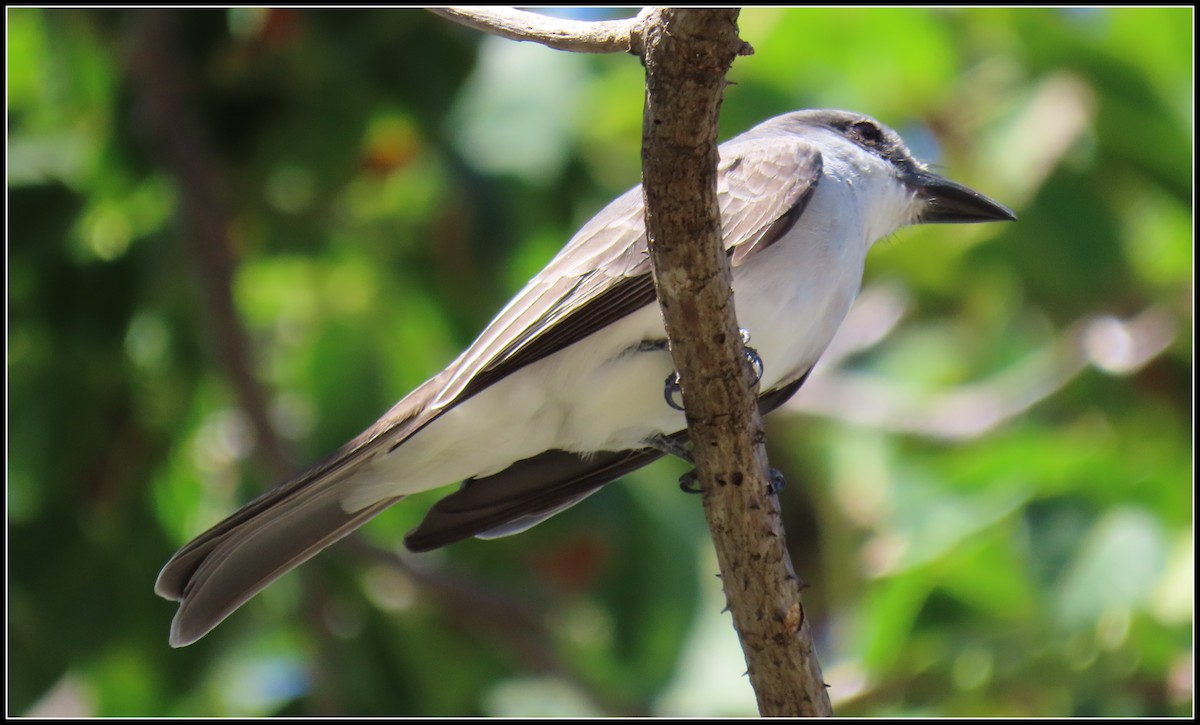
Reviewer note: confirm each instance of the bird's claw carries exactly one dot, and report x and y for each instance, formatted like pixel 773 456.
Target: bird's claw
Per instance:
pixel 777 482
pixel 690 482
pixel 752 356
pixel 671 387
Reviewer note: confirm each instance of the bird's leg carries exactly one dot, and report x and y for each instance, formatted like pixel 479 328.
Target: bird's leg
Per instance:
pixel 671 387
pixel 652 346
pixel 671 446
pixel 752 355
pixel 688 482
pixel 777 481
pixel 755 360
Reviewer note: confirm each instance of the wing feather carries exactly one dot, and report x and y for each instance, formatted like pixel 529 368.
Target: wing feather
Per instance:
pixel 603 274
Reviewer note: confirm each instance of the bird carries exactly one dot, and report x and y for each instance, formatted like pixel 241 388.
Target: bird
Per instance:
pixel 569 386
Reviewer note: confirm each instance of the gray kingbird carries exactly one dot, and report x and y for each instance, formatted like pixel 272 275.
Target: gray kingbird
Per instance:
pixel 563 392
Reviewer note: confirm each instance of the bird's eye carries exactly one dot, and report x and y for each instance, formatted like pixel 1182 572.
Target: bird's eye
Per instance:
pixel 867 133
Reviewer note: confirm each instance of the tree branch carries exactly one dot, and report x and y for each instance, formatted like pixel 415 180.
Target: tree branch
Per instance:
pixel 687 55
pixel 601 36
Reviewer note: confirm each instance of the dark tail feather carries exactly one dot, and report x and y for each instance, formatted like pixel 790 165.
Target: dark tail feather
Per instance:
pixel 522 495
pixel 215 574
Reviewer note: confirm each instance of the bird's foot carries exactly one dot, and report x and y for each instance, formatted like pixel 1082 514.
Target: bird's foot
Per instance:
pixel 690 482
pixel 777 482
pixel 672 446
pixel 678 447
pixel 752 356
pixel 671 389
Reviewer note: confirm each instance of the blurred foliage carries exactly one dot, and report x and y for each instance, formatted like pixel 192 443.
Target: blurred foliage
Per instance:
pixel 390 179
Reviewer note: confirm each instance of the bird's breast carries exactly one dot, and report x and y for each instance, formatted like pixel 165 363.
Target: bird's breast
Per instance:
pixel 793 296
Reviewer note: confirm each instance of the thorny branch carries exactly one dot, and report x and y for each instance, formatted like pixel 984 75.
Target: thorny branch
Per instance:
pixel 687 54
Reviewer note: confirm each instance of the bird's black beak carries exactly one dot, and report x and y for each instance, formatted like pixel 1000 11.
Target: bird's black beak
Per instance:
pixel 948 202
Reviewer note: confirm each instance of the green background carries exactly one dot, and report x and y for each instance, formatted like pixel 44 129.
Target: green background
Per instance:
pixel 989 492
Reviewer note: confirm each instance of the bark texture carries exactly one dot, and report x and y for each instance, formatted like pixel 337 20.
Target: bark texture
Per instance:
pixel 687 54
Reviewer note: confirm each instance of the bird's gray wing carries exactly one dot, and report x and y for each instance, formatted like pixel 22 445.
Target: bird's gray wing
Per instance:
pixel 603 274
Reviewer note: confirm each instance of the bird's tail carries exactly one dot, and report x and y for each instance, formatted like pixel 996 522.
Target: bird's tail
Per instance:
pixel 231 562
